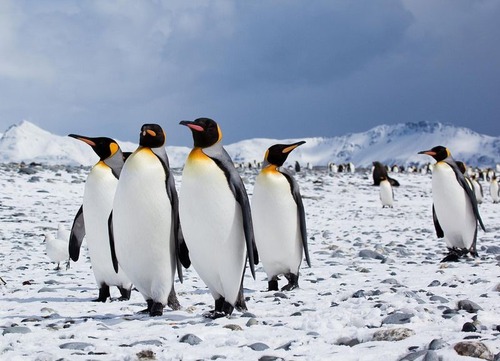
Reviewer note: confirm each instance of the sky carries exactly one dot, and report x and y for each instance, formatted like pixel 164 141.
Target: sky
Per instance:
pixel 267 69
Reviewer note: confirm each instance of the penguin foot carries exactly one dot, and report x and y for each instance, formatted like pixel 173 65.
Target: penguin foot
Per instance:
pixel 125 294
pixel 172 301
pixel 272 285
pixel 453 255
pixel 67 264
pixel 240 304
pixel 156 309
pixel 293 282
pixel 57 268
pixel 103 294
pixel 213 314
pixel 146 310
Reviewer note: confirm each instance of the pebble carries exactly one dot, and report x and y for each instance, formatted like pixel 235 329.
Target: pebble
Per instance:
pixel 397 318
pixel 368 253
pixel 286 346
pixel 493 250
pixel 413 355
pixel 252 322
pixel 393 334
pixel 16 329
pixel 469 327
pixel 258 346
pixel 468 306
pixel 439 299
pixel 271 358
pixel 190 339
pixel 436 344
pixel 431 356
pixel 473 349
pixel 75 346
pixel 434 283
pixel 233 327
pixel 148 343
pixel 146 355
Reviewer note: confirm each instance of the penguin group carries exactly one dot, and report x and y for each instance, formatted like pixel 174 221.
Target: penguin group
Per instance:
pixel 140 232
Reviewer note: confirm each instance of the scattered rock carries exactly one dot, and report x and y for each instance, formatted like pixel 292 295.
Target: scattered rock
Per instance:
pixel 346 341
pixel 146 355
pixel 469 327
pixel 434 283
pixel 493 250
pixel 437 344
pixel 148 343
pixel 468 306
pixel 473 349
pixel 393 334
pixel 233 327
pixel 258 346
pixel 252 322
pixel 16 329
pixel 190 339
pixel 286 346
pixel 271 358
pixel 413 355
pixel 368 253
pixel 397 318
pixel 431 356
pixel 81 346
pixel 439 299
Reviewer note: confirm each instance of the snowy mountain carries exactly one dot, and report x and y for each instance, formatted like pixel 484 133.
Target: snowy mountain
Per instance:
pixel 389 144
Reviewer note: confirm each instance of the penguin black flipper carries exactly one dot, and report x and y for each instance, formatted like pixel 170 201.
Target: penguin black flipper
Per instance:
pixel 223 161
pixel 300 207
pixel 470 193
pixel 437 226
pixel 112 242
pixel 76 236
pixel 181 249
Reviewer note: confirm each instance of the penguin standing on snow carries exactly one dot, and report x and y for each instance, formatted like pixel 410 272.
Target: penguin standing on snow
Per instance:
pixel 57 247
pixel 494 191
pixel 91 220
pixel 386 193
pixel 216 218
pixel 478 189
pixel 455 211
pixel 145 233
pixel 279 219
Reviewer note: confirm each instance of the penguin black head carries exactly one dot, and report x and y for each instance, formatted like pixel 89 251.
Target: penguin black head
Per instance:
pixel 439 153
pixel 104 147
pixel 277 154
pixel 206 132
pixel 152 136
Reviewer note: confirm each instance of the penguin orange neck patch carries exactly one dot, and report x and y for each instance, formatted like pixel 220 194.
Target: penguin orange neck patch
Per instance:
pixel 197 154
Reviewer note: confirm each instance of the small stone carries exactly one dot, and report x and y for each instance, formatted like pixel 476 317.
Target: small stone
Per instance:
pixel 468 306
pixel 190 339
pixel 16 329
pixel 449 313
pixel 434 283
pixel 248 315
pixel 148 343
pixel 286 346
pixel 347 341
pixel 439 299
pixel 280 295
pixel 271 358
pixel 252 322
pixel 368 253
pixel 233 327
pixel 473 349
pixel 258 346
pixel 81 346
pixel 146 355
pixel 493 250
pixel 393 334
pixel 436 344
pixel 413 355
pixel 397 318
pixel 431 356
pixel 358 294
pixel 469 327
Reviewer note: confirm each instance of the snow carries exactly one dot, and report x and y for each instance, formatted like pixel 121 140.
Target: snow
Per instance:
pixel 388 144
pixel 343 298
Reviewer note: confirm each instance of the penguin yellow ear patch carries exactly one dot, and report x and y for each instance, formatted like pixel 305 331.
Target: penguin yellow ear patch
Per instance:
pixel 220 133
pixel 113 147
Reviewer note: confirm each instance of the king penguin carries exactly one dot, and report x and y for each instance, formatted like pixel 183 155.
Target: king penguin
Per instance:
pixel 386 193
pixel 91 220
pixel 455 210
pixel 494 191
pixel 145 233
pixel 216 218
pixel 279 219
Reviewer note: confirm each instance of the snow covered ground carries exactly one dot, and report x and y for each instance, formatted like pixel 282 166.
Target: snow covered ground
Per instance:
pixel 376 289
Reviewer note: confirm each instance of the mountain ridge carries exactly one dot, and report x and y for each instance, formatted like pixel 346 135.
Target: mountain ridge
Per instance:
pixel 388 144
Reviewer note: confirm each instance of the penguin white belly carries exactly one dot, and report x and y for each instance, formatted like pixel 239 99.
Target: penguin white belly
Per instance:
pixel 453 208
pixel 494 191
pixel 213 227
pixel 386 193
pixel 276 224
pixel 477 191
pixel 142 226
pixel 97 203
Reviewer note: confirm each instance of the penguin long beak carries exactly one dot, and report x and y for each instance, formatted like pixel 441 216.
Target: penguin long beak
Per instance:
pixel 192 126
pixel 84 139
pixel 428 152
pixel 292 147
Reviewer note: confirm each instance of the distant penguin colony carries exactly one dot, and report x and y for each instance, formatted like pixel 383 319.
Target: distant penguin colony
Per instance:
pixel 455 210
pixel 140 232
